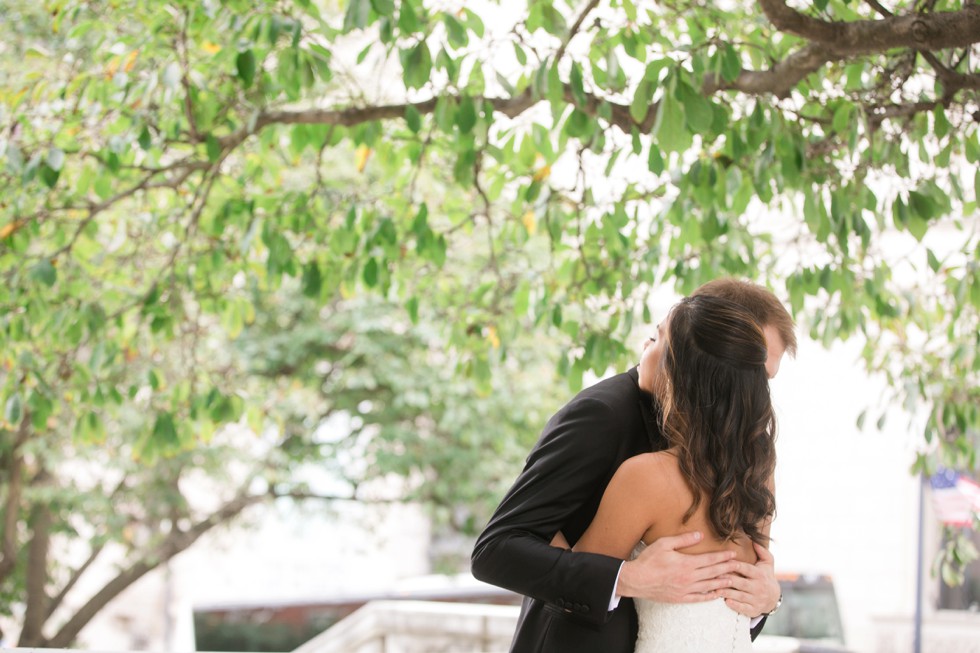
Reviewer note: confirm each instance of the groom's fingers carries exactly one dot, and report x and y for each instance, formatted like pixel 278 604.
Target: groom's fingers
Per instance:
pixel 740 607
pixel 765 556
pixel 682 541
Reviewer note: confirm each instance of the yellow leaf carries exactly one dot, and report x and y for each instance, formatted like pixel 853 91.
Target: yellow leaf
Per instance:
pixel 8 229
pixel 130 60
pixel 363 154
pixel 542 173
pixel 211 48
pixel 110 70
pixel 530 221
pixel 15 99
pixel 492 337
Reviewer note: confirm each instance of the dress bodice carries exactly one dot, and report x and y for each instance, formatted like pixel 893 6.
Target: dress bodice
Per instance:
pixel 707 627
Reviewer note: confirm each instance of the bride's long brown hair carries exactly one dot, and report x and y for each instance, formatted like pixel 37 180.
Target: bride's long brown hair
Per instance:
pixel 717 413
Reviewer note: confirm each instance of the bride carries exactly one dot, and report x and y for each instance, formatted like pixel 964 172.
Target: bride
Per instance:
pixel 706 368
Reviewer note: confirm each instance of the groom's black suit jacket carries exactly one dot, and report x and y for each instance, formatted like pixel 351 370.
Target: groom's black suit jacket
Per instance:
pixel 567 593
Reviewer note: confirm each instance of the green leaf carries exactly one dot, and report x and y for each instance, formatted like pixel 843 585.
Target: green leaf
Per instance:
pixel 578 87
pixel 923 206
pixel 941 124
pixel 842 117
pixel 972 147
pixel 312 280
pixel 48 175
pixel 522 299
pixel 697 109
pixel 14 410
pixel 731 65
pixel 655 160
pixel 213 146
pixel 412 305
pixel 370 274
pixel 670 131
pixel 165 432
pixel 466 115
pixel 640 105
pixel 474 22
pixel 44 272
pixel 384 7
pixel 245 65
pixel 579 125
pixel 145 140
pixel 358 14
pixel 520 54
pixel 553 21
pixel 417 65
pixel 455 31
pixel 413 118
pixel 408 20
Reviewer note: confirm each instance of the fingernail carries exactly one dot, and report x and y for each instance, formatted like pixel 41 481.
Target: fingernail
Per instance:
pixel 697 535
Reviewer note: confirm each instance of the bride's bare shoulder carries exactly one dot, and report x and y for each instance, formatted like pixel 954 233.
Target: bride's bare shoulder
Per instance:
pixel 649 470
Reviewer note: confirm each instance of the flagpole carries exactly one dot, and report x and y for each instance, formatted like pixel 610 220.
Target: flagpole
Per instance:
pixel 917 632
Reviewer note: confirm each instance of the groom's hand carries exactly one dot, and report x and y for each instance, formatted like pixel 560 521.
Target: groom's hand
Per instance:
pixel 662 573
pixel 755 590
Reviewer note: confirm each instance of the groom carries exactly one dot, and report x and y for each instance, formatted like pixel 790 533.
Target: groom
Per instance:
pixel 577 601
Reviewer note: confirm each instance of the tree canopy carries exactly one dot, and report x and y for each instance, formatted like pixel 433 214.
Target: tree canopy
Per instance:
pixel 503 178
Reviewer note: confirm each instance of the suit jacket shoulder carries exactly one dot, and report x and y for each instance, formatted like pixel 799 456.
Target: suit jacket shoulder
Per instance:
pixel 559 490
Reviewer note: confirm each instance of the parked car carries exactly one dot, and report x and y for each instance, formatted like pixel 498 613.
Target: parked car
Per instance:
pixel 808 619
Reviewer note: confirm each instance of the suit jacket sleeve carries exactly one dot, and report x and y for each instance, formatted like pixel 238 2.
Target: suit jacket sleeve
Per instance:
pixel 573 460
pixel 758 629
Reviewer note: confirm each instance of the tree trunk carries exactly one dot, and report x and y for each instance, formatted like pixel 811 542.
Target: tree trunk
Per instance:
pixel 37 576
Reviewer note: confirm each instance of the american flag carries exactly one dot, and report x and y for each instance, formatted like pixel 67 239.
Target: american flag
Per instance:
pixel 955 496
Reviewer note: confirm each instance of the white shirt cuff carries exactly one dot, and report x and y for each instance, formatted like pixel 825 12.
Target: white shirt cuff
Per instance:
pixel 754 621
pixel 614 599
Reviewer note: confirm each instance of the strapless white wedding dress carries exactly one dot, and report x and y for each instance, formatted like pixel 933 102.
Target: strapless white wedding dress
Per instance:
pixel 708 627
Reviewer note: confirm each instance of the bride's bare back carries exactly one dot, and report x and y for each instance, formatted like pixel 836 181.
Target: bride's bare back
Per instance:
pixel 674 503
pixel 646 500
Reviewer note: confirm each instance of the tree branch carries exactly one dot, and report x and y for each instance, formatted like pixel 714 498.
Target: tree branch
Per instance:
pixel 575 28
pixel 56 601
pixel 783 77
pixel 147 183
pixel 877 6
pixel 508 106
pixel 184 78
pixel 779 80
pixel 175 543
pixel 932 31
pixel 952 81
pixel 77 573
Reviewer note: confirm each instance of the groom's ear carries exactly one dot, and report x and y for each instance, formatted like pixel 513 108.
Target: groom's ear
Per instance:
pixel 775 350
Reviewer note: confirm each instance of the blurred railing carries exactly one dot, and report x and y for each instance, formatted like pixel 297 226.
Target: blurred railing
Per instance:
pixel 419 627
